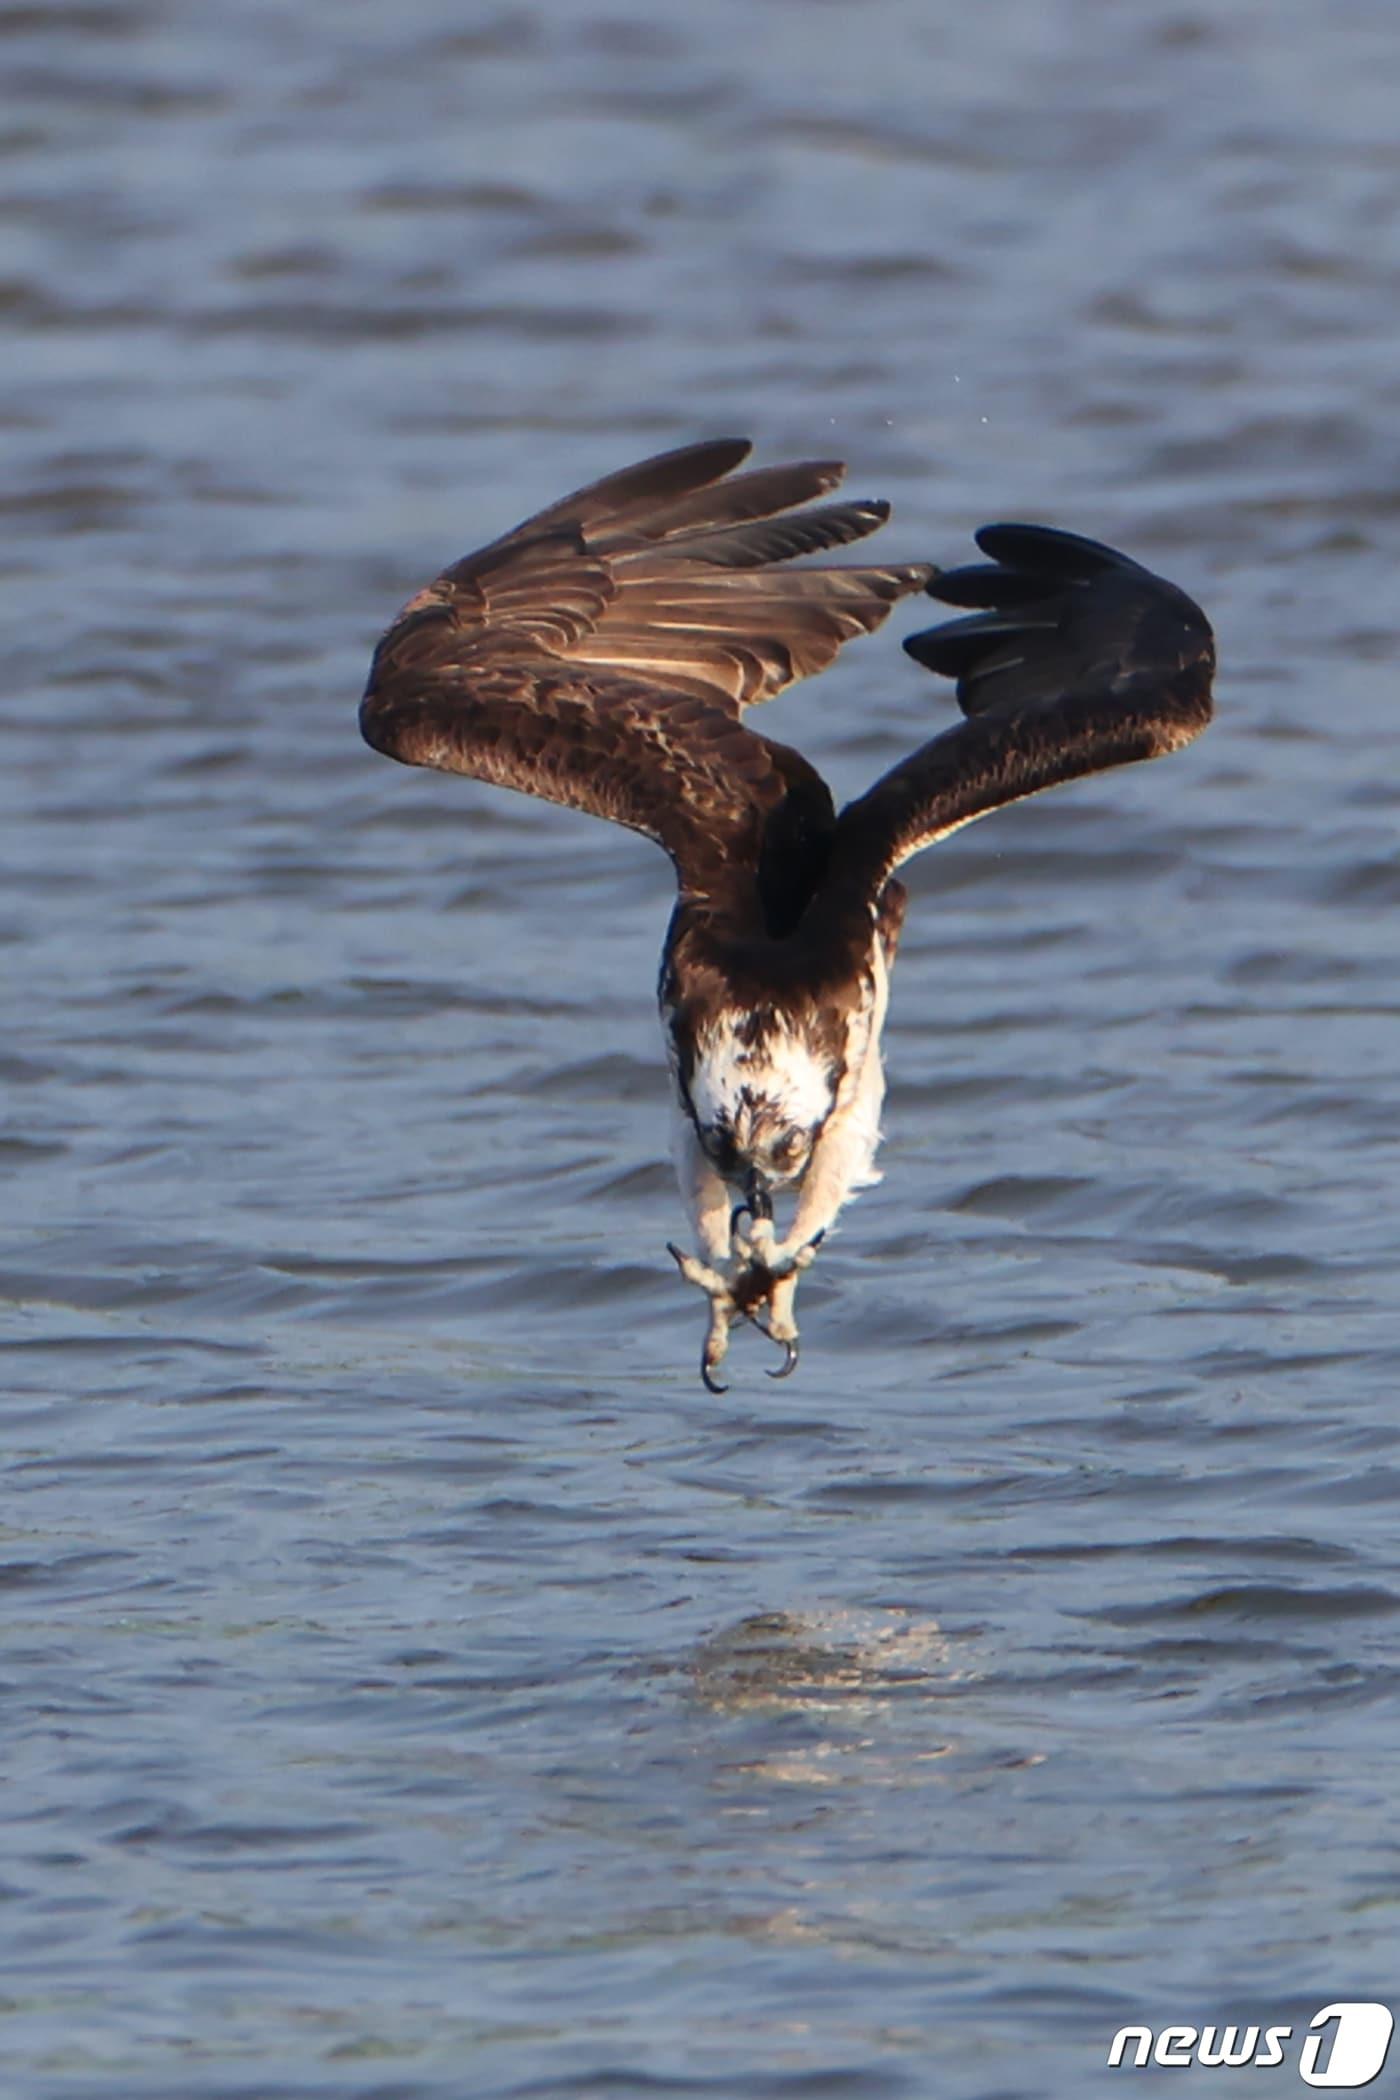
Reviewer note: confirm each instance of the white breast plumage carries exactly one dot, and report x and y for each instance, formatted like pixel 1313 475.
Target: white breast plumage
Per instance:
pixel 782 1069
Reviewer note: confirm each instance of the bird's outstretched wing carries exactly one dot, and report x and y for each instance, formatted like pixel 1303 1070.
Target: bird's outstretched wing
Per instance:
pixel 602 654
pixel 1077 659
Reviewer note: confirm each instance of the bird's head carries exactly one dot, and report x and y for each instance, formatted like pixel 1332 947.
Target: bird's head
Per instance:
pixel 763 1140
pixel 770 1142
pixel 759 1100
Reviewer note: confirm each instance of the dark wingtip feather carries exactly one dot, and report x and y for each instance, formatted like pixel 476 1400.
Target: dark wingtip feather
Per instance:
pixel 1057 613
pixel 1066 557
pixel 958 646
pixel 987 584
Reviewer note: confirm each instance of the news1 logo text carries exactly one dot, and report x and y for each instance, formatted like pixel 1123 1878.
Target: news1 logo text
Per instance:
pixel 1343 2047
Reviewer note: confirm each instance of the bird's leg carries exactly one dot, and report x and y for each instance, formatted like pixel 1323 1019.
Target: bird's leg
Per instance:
pixel 749 1288
pixel 782 1261
pixel 724 1311
pixel 751 1277
pixel 716 1346
pixel 781 1269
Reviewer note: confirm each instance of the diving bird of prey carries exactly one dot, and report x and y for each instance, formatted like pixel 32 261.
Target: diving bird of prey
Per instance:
pixel 603 655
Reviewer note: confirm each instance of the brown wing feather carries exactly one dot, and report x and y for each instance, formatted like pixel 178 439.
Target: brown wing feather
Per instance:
pixel 665 478
pixel 673 767
pixel 764 492
pixel 600 655
pixel 1080 660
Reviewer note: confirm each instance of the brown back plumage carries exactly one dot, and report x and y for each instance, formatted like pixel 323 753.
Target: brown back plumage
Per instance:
pixel 601 655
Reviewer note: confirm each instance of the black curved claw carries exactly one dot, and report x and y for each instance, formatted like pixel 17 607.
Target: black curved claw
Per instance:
pixel 710 1382
pixel 740 1210
pixel 790 1362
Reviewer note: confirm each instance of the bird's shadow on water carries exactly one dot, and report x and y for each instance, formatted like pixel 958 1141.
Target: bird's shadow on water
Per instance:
pixel 806 1697
pixel 825 1659
pixel 847 1700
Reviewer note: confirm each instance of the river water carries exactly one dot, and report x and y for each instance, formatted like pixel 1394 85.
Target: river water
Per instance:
pixel 415 1687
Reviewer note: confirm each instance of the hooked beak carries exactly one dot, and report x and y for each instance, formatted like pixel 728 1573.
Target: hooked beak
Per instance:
pixel 760 1203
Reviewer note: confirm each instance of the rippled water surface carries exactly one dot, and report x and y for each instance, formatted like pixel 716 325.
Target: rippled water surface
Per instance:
pixel 414 1685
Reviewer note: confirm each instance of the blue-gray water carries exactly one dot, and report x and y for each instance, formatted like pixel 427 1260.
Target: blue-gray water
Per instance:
pixel 415 1687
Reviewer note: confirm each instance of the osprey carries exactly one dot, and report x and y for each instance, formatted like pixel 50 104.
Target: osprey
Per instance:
pixel 603 654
